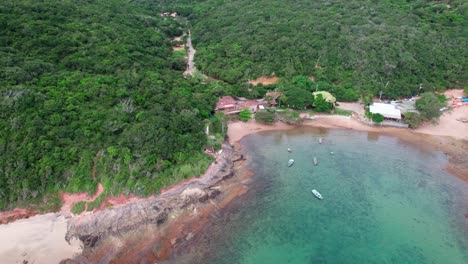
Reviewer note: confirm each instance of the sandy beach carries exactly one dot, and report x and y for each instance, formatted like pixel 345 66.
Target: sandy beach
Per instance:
pixel 34 239
pixel 39 240
pixel 453 141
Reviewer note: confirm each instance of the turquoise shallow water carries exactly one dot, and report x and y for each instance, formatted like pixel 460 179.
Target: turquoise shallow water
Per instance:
pixel 384 202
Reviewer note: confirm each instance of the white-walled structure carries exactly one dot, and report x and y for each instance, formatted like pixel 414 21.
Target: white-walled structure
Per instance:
pixel 387 110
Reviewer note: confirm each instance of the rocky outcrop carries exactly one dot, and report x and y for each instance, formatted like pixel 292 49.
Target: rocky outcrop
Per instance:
pixel 154 211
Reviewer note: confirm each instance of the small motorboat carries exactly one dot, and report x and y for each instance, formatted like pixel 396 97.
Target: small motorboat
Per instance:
pixel 320 140
pixel 317 194
pixel 290 162
pixel 289 150
pixel 332 153
pixel 315 161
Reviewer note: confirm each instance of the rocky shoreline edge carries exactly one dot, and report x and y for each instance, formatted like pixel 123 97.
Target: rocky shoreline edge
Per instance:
pixel 147 230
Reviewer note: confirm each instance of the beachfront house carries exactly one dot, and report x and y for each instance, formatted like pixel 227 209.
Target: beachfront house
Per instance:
pixel 226 104
pixel 231 106
pixel 252 105
pixel 388 111
pixel 271 97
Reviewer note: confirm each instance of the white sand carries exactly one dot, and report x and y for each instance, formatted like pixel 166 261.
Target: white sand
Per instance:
pixel 448 124
pixel 39 239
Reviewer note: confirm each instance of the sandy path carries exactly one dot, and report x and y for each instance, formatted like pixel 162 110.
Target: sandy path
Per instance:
pixel 355 107
pixel 191 55
pixel 265 80
pixel 39 239
pixel 69 199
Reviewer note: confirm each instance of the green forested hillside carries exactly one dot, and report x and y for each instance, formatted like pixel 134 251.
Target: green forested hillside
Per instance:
pixel 90 91
pixel 386 45
pixel 88 94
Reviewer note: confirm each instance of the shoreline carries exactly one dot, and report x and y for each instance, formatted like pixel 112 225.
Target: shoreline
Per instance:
pixel 455 149
pixel 194 205
pixel 155 225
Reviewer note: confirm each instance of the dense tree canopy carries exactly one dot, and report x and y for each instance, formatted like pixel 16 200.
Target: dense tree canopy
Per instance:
pixel 429 106
pixel 91 91
pixel 359 46
pixel 88 94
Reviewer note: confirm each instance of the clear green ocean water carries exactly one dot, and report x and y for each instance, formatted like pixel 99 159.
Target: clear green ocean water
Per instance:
pixel 384 202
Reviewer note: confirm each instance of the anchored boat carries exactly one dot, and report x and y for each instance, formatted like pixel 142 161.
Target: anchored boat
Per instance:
pixel 315 161
pixel 290 162
pixel 317 194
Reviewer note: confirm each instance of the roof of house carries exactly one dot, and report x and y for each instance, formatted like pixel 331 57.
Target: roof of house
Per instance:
pixel 248 103
pixel 225 101
pixel 387 110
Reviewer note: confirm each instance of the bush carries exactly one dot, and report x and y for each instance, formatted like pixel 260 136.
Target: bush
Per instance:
pixel 368 113
pixel 321 105
pixel 78 208
pixel 429 106
pixel 96 203
pixel 413 119
pixel 465 91
pixel 245 115
pixel 291 117
pixel 442 98
pixel 377 118
pixel 265 117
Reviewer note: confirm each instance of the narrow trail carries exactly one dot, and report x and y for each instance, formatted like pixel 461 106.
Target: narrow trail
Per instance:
pixel 69 199
pixel 191 55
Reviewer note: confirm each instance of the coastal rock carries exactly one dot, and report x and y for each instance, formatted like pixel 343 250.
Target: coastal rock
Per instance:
pixel 151 213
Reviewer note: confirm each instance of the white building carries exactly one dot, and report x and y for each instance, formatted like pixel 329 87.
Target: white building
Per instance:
pixel 387 110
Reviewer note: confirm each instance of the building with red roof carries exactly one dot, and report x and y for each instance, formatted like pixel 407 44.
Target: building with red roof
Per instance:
pixel 226 103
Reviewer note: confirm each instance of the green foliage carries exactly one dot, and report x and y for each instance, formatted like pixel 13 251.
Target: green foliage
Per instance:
pixel 321 105
pixel 264 116
pixel 368 113
pixel 429 106
pixel 377 118
pixel 367 100
pixel 290 117
pixel 413 119
pixel 219 123
pixel 297 93
pixel 78 208
pixel 92 89
pixel 343 112
pixel 245 114
pixel 442 98
pixel 465 91
pixel 97 202
pixel 392 46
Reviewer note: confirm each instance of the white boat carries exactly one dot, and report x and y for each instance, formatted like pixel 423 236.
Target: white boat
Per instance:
pixel 320 140
pixel 315 161
pixel 290 162
pixel 317 194
pixel 289 150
